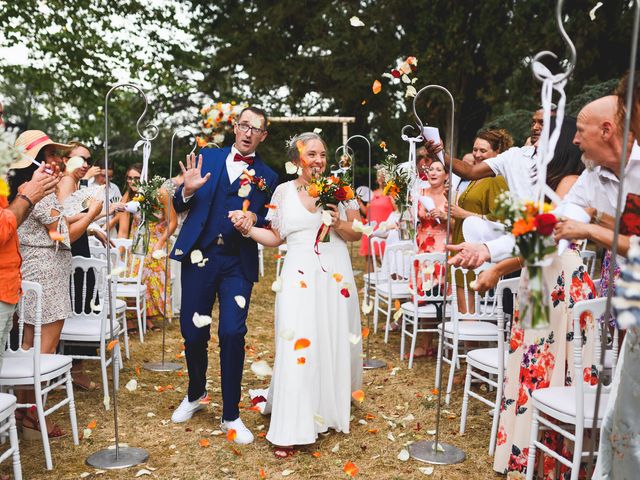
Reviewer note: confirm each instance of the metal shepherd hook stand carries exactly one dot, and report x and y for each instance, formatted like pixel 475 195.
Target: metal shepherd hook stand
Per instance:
pixel 162 365
pixel 368 363
pixel 117 456
pixel 436 452
pixel 616 229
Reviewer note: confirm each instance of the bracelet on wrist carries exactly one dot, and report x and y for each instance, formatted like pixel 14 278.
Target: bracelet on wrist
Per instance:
pixel 26 199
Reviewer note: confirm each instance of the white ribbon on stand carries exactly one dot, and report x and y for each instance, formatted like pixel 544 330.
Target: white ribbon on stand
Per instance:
pixel 412 191
pixel 146 153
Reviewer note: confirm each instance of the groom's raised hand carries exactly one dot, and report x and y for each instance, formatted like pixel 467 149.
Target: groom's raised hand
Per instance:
pixel 193 178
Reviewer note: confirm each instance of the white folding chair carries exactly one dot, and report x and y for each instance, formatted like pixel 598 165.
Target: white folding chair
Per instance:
pixel 261 259
pixel 8 428
pixel 487 365
pixel 394 284
pixel 425 310
pixel 373 277
pixel 100 253
pixel 572 405
pixel 130 284
pixel 589 259
pixel 480 326
pixel 282 251
pixel 30 369
pixel 94 327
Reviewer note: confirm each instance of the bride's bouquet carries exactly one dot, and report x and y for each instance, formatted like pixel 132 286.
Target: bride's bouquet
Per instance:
pixel 329 190
pixel 531 224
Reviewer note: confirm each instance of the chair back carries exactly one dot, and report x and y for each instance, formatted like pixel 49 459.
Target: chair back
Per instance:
pixel 589 260
pixel 427 277
pixel 31 291
pixel 282 251
pixel 131 263
pixel 93 292
pixel 508 286
pixel 396 262
pixel 376 252
pixel 485 306
pixel 94 242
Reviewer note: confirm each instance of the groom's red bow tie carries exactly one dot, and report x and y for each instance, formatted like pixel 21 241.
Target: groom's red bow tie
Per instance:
pixel 242 158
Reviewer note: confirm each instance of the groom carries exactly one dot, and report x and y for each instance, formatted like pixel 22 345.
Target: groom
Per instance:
pixel 216 223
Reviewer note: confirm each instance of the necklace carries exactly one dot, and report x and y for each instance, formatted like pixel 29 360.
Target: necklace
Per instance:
pixel 464 194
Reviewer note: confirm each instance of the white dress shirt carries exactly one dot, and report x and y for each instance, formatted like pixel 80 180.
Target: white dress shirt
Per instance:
pixel 517 166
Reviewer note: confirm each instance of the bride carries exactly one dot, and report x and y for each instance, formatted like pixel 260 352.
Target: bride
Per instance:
pixel 318 361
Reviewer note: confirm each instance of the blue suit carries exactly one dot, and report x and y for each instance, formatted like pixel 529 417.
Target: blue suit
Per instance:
pixel 230 270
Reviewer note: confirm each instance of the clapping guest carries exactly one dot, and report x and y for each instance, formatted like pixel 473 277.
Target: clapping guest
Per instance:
pixel 45 244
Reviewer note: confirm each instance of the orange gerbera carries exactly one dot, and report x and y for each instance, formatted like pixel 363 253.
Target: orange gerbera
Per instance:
pixel 349 192
pixel 313 190
pixel 524 225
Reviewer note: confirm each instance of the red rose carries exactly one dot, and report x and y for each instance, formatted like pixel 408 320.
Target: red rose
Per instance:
pixel 545 223
pixel 341 194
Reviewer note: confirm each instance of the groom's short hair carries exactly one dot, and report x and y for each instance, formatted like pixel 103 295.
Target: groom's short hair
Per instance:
pixel 257 111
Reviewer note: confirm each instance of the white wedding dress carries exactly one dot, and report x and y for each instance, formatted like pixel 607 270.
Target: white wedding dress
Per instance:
pixel 311 387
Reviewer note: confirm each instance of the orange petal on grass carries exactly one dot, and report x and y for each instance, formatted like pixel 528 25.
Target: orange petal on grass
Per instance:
pixel 303 284
pixel 358 395
pixel 158 388
pixel 262 434
pixel 277 256
pixel 376 87
pixel 138 371
pixel 301 343
pixel 245 205
pixel 369 416
pixel 373 430
pixel 262 473
pixel 316 454
pixel 365 332
pixel 112 344
pixel 231 435
pixel 92 424
pixel 351 469
pixel 203 442
pixel 434 391
pixel 302 360
pixel 337 277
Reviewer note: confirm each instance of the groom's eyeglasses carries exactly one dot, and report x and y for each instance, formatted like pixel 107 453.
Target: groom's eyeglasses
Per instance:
pixel 244 128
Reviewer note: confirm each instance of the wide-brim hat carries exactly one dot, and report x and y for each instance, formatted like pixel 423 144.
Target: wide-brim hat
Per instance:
pixel 29 144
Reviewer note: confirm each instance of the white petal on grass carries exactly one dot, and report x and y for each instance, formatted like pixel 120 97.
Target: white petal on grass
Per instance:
pixel 87 432
pixel 201 320
pixel 85 474
pixel 276 286
pixel 431 432
pixel 240 300
pixel 196 256
pixel 261 368
pixel 287 472
pixel 426 470
pixel 150 414
pixel 132 385
pixel 390 437
pixel 287 334
pixel 403 456
pixel 142 472
pixel 356 22
pixel 592 12
pixel 335 448
pixel 367 307
pixel 159 254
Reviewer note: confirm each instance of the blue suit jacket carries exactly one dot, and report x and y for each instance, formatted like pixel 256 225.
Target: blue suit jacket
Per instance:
pixel 214 162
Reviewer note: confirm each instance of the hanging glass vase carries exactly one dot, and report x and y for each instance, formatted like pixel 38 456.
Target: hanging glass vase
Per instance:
pixel 534 298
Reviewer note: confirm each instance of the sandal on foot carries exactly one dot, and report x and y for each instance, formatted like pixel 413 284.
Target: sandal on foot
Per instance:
pixel 83 382
pixel 31 430
pixel 284 452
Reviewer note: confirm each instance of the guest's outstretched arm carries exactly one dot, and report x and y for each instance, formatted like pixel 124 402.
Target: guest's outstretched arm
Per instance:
pixel 466 171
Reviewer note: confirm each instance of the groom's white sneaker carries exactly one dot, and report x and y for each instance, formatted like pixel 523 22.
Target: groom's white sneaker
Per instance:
pixel 186 409
pixel 243 435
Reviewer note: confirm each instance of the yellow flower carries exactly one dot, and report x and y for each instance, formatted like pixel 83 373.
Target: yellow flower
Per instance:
pixel 4 188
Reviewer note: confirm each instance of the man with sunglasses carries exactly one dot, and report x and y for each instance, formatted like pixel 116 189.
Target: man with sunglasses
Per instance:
pixel 218 261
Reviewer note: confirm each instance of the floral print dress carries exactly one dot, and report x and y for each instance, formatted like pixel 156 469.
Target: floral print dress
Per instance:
pixel 543 358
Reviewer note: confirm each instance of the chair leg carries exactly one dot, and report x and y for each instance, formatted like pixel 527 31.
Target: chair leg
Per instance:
pixel 496 418
pixel 144 313
pixel 414 337
pixel 403 332
pixel 126 336
pixel 452 370
pixel 15 446
pixel 376 311
pixel 388 323
pixel 465 399
pixel 72 410
pixel 531 459
pixel 42 422
pixel 139 317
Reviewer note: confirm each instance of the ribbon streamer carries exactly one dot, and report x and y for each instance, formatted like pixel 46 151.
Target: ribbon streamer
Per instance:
pixel 412 191
pixel 146 154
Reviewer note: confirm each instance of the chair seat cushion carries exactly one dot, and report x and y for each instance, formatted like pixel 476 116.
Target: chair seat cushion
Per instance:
pixel 470 328
pixel 20 366
pixel 563 400
pixel 487 357
pixel 121 305
pixel 86 329
pixel 428 310
pixel 7 405
pixel 372 277
pixel 130 290
pixel 398 289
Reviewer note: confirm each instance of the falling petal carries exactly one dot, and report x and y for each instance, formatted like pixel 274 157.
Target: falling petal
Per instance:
pixel 367 306
pixel 201 320
pixel 203 262
pixel 403 456
pixel 345 292
pixel 358 395
pixel 351 469
pixel 261 368
pixel 270 206
pixel 354 339
pixel 56 236
pixel 356 22
pixel 592 12
pixel 287 334
pixel 365 332
pixel 179 252
pixel 302 360
pixel 276 286
pixel 92 424
pixel 112 344
pixel 240 300
pixel 301 343
pixel 287 472
pixel 303 284
pixel 291 168
pixel 387 75
pixel 473 284
pixel 411 91
pixel 203 442
pixel 317 131
pixel 196 256
pixel 376 87
pixel 337 277
pixel 244 190
pixel 132 385
pixel 159 254
pixel 245 205
pixel 395 73
pixel 206 400
pixel 231 434
pixel 405 79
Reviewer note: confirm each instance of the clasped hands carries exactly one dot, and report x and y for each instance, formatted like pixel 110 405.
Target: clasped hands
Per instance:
pixel 242 221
